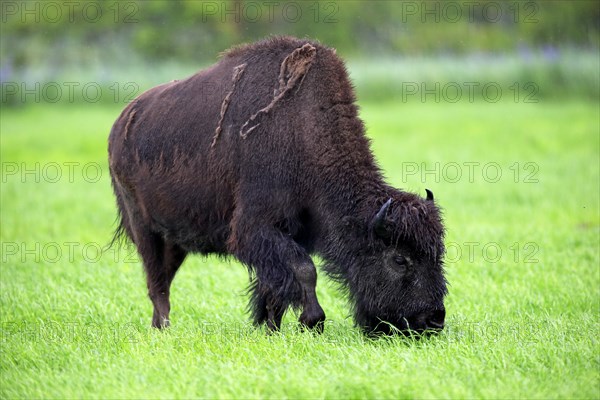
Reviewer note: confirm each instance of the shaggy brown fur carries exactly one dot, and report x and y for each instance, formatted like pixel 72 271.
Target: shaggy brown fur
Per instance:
pixel 304 182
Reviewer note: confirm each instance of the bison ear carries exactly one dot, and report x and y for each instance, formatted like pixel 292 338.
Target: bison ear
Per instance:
pixel 429 195
pixel 379 223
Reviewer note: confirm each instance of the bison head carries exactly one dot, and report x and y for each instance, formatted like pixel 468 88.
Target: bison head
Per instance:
pixel 395 276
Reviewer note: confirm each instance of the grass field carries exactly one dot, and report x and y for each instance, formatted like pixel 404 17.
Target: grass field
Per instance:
pixel 519 184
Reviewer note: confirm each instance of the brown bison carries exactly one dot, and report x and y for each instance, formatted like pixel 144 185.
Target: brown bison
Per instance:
pixel 262 156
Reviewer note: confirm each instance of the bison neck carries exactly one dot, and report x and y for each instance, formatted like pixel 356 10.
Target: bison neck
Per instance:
pixel 353 190
pixel 345 224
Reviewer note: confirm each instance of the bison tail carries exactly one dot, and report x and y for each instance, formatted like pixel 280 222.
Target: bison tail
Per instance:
pixel 123 231
pixel 119 236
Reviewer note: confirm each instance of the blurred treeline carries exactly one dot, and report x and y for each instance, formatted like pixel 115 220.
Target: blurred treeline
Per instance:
pixel 44 41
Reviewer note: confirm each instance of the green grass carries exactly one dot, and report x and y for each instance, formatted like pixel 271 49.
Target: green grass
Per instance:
pixel 521 324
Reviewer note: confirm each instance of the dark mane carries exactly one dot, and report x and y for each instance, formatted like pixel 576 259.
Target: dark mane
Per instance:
pixel 270 44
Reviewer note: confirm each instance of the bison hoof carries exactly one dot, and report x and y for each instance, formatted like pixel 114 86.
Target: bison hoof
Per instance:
pixel 314 322
pixel 160 323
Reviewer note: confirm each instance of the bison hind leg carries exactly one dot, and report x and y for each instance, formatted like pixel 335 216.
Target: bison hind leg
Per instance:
pixel 161 260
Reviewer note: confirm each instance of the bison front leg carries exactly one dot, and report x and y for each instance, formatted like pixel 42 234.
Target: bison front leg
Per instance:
pixel 285 275
pixel 312 315
pixel 269 303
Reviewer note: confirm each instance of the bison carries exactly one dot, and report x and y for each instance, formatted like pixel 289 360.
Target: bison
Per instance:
pixel 262 156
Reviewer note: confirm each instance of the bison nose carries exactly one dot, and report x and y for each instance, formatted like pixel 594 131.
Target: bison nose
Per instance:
pixel 435 320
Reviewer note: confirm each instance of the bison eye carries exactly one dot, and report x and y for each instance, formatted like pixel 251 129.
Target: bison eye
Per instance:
pixel 400 260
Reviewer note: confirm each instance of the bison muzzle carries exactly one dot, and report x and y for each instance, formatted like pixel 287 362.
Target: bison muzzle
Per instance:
pixel 263 156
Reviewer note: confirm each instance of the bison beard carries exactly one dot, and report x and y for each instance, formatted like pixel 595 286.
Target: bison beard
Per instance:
pixel 262 156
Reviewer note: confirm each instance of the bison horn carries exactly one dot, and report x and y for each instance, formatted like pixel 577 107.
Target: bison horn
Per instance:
pixel 379 225
pixel 429 195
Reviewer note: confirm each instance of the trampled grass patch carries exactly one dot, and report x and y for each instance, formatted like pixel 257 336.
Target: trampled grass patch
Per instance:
pixel 519 184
